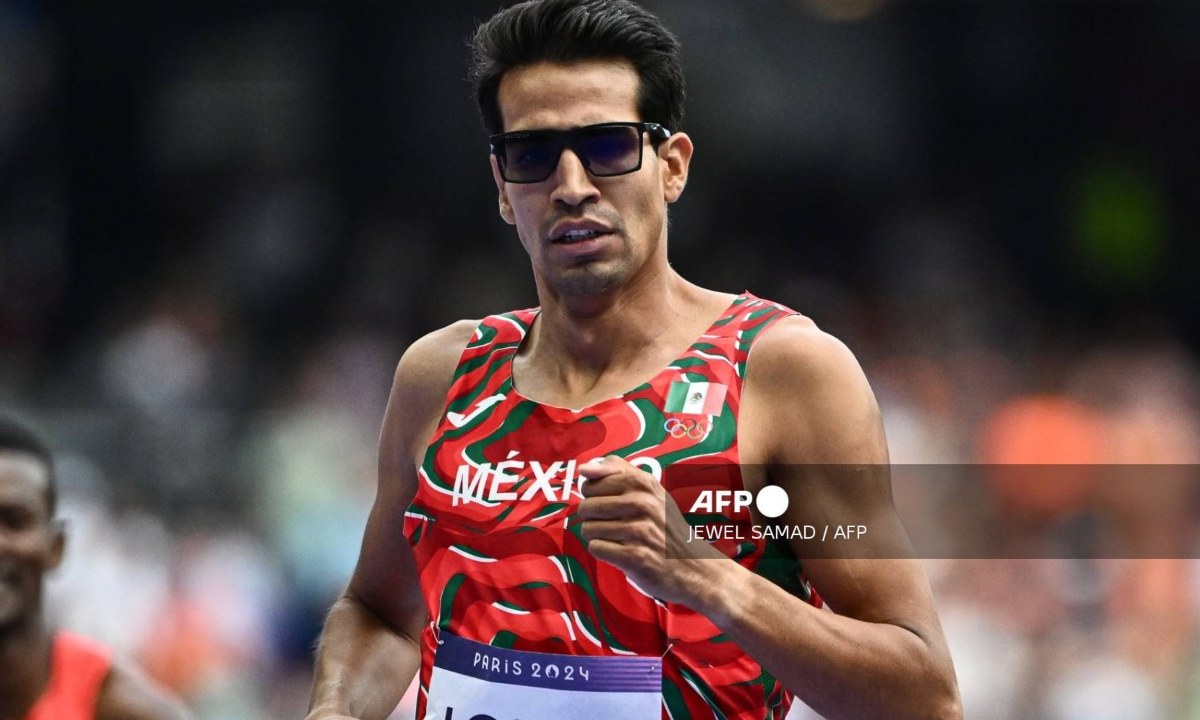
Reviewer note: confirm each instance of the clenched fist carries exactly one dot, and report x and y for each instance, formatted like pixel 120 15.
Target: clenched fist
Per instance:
pixel 630 521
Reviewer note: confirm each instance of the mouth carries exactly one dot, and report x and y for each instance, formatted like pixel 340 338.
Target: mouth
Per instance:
pixel 571 237
pixel 574 240
pixel 579 246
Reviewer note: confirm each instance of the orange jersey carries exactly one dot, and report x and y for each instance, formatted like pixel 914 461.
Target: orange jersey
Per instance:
pixel 78 668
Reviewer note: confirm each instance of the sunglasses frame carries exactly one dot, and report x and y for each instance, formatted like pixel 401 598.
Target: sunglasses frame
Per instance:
pixel 563 139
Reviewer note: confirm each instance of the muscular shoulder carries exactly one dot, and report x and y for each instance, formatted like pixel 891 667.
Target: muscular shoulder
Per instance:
pixel 127 694
pixel 809 400
pixel 426 369
pixel 419 389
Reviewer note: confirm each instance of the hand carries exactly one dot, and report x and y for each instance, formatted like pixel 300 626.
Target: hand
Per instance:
pixel 630 521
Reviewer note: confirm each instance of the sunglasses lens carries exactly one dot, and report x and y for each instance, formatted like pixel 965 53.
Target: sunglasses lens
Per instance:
pixel 530 158
pixel 611 150
pixel 605 150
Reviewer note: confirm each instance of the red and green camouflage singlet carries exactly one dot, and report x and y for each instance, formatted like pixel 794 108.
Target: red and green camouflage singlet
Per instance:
pixel 492 523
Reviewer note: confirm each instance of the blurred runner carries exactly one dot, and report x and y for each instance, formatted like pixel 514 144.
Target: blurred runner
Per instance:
pixel 46 674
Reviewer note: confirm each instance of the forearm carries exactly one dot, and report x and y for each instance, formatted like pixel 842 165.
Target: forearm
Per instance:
pixel 840 666
pixel 363 666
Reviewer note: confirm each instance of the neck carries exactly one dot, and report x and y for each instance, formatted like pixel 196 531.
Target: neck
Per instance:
pixel 583 350
pixel 24 666
pixel 598 331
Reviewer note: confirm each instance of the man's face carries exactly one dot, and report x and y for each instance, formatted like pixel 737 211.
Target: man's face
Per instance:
pixel 30 542
pixel 628 212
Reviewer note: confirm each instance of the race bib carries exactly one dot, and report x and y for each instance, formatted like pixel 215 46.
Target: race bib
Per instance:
pixel 473 681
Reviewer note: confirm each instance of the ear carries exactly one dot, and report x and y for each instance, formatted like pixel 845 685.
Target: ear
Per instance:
pixel 676 153
pixel 506 210
pixel 58 543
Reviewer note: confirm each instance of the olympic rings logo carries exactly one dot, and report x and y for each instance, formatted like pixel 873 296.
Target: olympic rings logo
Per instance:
pixel 689 427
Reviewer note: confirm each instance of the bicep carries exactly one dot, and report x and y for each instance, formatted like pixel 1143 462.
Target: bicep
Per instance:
pixel 828 451
pixel 386 577
pixel 859 557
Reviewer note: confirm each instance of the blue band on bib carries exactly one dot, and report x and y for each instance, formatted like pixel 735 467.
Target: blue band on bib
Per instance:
pixel 548 670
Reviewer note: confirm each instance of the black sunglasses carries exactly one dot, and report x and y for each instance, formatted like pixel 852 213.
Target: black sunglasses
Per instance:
pixel 606 149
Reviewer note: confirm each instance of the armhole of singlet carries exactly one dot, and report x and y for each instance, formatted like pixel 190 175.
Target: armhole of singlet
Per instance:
pixel 489 321
pixel 445 406
pixel 781 312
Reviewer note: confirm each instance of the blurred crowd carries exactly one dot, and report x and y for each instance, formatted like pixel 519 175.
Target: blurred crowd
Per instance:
pixel 219 228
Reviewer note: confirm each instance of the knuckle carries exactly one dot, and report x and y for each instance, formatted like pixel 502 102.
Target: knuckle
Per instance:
pixel 646 506
pixel 643 556
pixel 590 530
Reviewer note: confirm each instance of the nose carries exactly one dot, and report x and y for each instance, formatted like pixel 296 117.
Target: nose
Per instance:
pixel 572 183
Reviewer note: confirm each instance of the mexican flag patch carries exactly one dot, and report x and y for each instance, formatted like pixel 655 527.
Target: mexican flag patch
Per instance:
pixel 695 398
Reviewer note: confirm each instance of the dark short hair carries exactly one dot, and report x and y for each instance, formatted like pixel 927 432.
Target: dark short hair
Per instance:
pixel 17 438
pixel 567 31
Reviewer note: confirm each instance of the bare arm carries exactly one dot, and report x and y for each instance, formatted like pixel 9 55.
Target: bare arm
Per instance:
pixel 817 427
pixel 127 694
pixel 809 416
pixel 369 649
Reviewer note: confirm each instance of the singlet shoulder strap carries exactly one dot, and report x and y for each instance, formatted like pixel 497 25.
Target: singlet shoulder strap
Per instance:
pixel 750 318
pixel 483 368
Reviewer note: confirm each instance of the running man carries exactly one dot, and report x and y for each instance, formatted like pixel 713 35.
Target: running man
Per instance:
pixel 47 675
pixel 531 551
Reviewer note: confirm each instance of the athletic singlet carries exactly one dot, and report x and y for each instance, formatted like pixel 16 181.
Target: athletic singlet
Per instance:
pixel 78 668
pixel 502 562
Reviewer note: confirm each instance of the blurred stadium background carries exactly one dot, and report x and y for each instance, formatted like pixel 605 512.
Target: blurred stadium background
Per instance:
pixel 222 222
